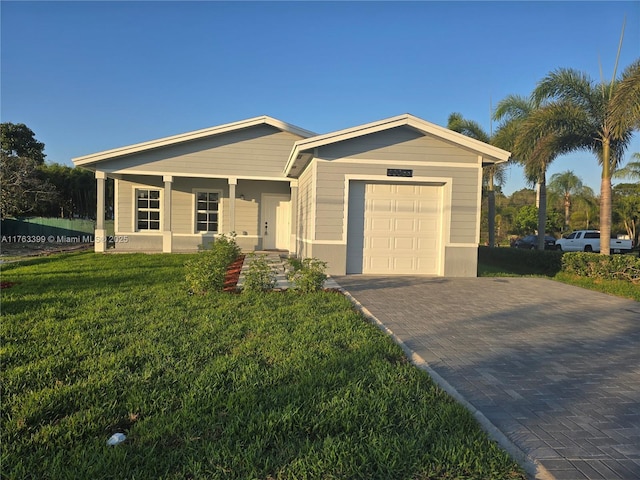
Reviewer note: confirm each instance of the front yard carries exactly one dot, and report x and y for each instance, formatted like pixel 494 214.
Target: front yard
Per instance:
pixel 266 386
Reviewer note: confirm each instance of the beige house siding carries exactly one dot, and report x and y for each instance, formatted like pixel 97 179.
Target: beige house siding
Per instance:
pixel 330 213
pixel 255 152
pixel 248 210
pixel 403 144
pixel 305 212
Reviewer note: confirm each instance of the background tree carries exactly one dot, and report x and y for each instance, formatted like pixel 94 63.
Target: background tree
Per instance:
pixel 24 188
pixel 492 175
pixel 18 140
pixel 565 185
pixel 627 208
pixel 585 211
pixel 596 117
pixel 631 170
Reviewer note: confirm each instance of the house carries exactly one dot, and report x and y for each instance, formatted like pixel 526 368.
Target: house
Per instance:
pixel 396 196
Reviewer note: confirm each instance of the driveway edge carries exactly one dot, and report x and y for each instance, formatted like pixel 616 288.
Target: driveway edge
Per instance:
pixel 532 467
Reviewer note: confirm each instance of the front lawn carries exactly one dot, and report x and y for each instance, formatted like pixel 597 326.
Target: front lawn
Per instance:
pixel 266 386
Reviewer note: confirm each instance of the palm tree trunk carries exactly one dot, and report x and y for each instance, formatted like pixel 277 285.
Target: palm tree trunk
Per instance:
pixel 491 194
pixel 605 199
pixel 542 210
pixel 567 210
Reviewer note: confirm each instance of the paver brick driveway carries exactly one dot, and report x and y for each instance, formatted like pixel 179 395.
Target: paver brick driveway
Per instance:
pixel 555 368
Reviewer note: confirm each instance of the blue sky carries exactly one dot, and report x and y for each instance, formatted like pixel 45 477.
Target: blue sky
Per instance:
pixel 90 76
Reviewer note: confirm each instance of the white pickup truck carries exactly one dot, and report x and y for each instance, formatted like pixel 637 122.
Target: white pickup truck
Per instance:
pixel 589 241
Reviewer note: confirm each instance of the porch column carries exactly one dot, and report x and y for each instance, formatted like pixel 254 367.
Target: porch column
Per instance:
pixel 167 236
pixel 232 203
pixel 293 243
pixel 100 234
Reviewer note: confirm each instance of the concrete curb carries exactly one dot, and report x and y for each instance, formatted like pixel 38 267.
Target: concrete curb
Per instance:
pixel 533 468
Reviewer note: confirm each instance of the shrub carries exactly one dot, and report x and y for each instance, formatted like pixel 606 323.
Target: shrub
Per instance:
pixel 259 275
pixel 546 262
pixel 606 267
pixel 307 275
pixel 207 270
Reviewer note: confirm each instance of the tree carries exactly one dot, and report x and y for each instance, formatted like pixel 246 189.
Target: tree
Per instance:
pixel 492 175
pixel 24 189
pixel 630 170
pixel 565 184
pixel 585 115
pixel 18 140
pixel 585 209
pixel 535 152
pixel 627 208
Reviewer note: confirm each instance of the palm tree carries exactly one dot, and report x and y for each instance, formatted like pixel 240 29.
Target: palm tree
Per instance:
pixel 492 174
pixel 515 111
pixel 630 170
pixel 565 184
pixel 585 115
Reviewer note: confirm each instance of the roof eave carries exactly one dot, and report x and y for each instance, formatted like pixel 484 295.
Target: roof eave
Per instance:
pixel 189 136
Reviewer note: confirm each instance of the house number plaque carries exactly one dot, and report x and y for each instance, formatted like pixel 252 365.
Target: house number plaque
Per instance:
pixel 398 172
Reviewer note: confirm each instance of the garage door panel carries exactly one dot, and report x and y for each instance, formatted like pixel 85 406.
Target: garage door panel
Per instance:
pixel 404 225
pixel 401 228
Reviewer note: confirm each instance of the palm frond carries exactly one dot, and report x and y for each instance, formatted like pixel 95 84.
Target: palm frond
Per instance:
pixel 624 108
pixel 470 128
pixel 565 84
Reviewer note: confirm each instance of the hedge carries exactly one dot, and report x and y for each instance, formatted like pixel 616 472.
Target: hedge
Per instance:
pixel 607 267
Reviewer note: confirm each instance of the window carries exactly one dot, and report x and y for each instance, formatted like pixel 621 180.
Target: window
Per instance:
pixel 148 209
pixel 207 209
pixel 592 235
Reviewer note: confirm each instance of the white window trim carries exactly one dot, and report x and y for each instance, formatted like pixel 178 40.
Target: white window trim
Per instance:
pixel 134 216
pixel 194 206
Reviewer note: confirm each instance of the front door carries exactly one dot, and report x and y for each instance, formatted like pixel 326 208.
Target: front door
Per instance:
pixel 276 221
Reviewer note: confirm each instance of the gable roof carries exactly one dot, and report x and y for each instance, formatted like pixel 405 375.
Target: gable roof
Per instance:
pixel 93 158
pixel 298 158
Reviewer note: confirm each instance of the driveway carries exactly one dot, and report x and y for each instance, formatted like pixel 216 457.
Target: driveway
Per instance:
pixel 554 368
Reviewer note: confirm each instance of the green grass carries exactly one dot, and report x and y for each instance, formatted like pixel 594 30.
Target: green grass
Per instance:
pixel 263 386
pixel 618 288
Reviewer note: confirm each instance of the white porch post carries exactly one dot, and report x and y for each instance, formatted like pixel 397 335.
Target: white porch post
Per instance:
pixel 232 204
pixel 293 242
pixel 167 236
pixel 100 234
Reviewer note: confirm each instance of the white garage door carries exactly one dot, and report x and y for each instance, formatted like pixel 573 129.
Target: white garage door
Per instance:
pixel 394 228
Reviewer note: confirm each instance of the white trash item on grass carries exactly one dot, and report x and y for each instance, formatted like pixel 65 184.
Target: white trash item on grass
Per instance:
pixel 116 438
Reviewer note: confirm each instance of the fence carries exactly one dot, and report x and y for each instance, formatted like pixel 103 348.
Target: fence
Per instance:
pixel 54 230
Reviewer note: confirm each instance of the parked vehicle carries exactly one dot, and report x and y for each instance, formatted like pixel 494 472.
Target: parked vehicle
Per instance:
pixel 589 241
pixel 530 242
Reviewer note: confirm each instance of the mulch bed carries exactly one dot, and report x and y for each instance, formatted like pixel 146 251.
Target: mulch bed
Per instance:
pixel 233 274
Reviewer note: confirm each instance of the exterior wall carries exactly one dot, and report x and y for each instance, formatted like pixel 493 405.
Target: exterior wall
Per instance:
pixel 185 238
pixel 461 261
pixel 370 156
pixel 306 212
pixel 255 152
pixel 402 144
pixel 330 211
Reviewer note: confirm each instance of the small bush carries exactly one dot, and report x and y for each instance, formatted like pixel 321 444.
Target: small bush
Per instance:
pixel 307 275
pixel 259 275
pixel 606 267
pixel 545 262
pixel 206 272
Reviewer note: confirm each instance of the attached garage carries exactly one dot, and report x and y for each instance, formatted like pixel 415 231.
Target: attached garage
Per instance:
pixel 396 197
pixel 394 228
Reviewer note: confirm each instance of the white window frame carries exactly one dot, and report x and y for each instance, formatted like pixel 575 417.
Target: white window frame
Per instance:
pixel 194 209
pixel 136 225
